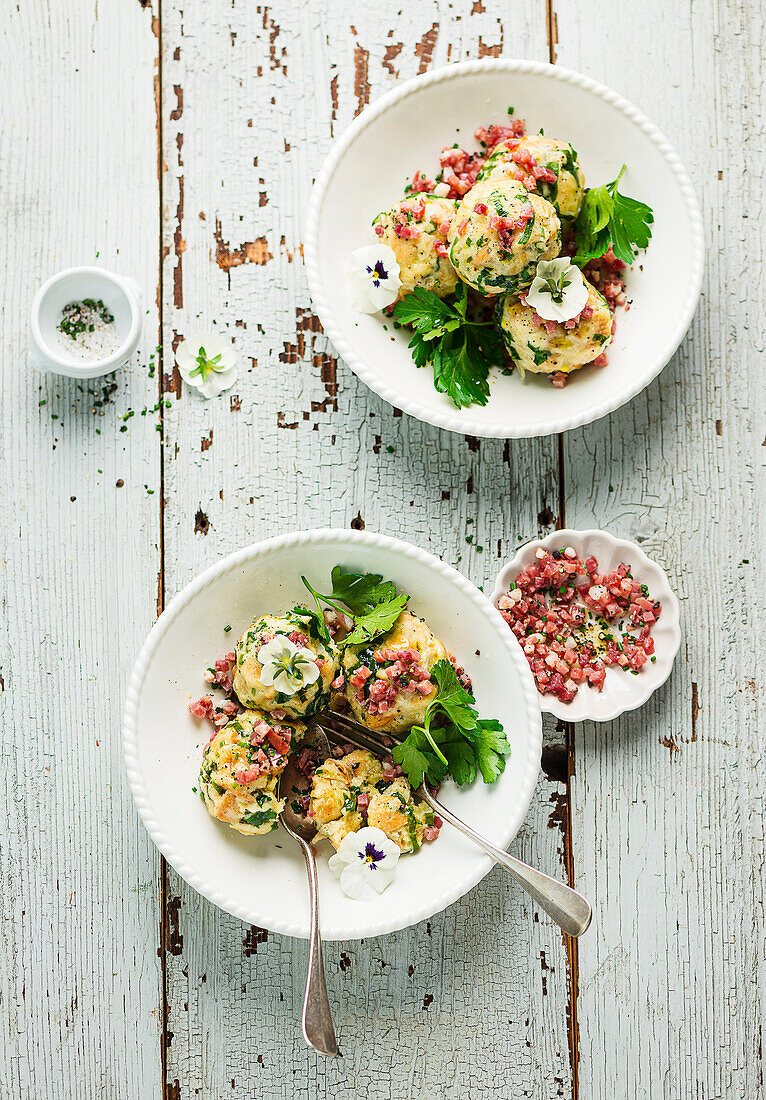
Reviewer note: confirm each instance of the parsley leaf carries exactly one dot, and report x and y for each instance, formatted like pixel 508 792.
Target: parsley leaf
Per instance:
pixel 453 699
pixel 318 615
pixel 461 364
pixel 607 217
pixel 569 162
pixel 460 351
pixel 461 758
pixel 418 760
pixel 631 223
pixel 428 314
pixel 491 747
pixel 311 615
pixel 540 355
pixel 462 746
pixel 258 818
pixel 360 592
pixel 372 601
pixel 378 620
pixel 457 374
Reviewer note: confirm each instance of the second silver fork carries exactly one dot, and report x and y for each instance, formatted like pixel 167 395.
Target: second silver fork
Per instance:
pixel 570 910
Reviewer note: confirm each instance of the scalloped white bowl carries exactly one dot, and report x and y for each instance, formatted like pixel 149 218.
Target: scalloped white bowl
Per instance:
pixel 263 880
pixel 621 691
pixel 405 130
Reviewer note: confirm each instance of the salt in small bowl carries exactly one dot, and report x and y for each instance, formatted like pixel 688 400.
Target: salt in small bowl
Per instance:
pixel 121 296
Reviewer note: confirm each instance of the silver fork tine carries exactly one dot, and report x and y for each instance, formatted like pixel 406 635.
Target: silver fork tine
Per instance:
pixel 342 721
pixel 350 733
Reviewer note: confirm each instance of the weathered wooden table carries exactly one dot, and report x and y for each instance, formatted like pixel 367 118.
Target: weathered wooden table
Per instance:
pixel 178 143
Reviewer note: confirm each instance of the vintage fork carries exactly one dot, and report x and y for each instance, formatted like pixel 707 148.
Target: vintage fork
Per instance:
pixel 318 1030
pixel 569 909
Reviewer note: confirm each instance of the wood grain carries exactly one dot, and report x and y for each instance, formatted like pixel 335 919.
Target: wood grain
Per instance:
pixel 79 973
pixel 657 817
pixel 445 1007
pixel 668 831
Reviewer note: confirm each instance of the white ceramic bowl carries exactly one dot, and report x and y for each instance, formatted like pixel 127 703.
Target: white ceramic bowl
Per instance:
pixel 405 130
pixel 262 880
pixel 621 690
pixel 122 296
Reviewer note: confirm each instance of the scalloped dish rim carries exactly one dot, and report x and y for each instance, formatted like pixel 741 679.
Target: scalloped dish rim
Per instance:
pixel 444 418
pixel 380 924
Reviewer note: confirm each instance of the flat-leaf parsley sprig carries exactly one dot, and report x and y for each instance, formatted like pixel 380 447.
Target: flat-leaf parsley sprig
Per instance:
pixel 374 603
pixel 453 740
pixel 460 351
pixel 607 217
pixel 360 592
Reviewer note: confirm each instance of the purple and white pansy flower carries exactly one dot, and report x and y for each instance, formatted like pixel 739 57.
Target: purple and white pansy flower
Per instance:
pixel 365 863
pixel 373 278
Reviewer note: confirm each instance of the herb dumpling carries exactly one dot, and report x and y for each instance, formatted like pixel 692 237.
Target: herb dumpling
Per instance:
pixel 416 229
pixel 545 347
pixel 499 233
pixel 551 164
pixel 352 791
pixel 402 819
pixel 336 790
pixel 240 770
pixel 315 666
pixel 387 682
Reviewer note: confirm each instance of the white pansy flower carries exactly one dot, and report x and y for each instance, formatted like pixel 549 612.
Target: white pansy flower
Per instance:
pixel 286 666
pixel 373 278
pixel 558 291
pixel 365 863
pixel 208 363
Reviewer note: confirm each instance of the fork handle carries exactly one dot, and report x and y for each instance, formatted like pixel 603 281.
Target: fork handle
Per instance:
pixel 318 1029
pixel 569 909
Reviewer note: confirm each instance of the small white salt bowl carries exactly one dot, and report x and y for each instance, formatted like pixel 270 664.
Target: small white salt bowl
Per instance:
pixel 121 296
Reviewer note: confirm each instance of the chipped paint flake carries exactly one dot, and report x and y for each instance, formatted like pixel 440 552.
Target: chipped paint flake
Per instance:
pixel 425 48
pixel 392 52
pixel 251 252
pixel 253 937
pixel 361 78
pixel 178 110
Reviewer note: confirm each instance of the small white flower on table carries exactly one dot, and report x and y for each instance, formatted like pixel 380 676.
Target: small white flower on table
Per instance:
pixel 286 666
pixel 365 863
pixel 208 363
pixel 373 278
pixel 558 291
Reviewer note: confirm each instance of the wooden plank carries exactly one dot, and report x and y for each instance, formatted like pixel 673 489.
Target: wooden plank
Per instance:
pixel 79 973
pixel 457 1007
pixel 668 829
pixel 472 1002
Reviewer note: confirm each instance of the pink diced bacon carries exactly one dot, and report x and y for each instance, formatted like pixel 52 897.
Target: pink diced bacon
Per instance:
pixel 202 708
pixel 218 716
pixel 399 672
pixel 223 673
pixel 546 607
